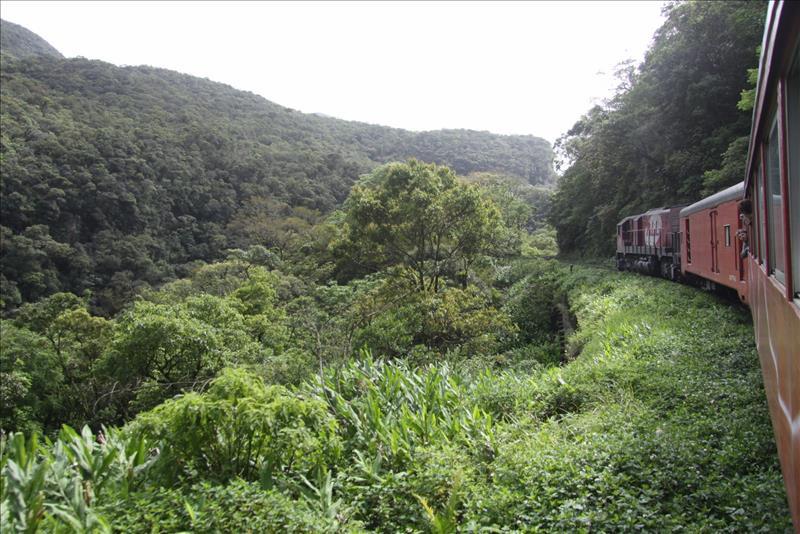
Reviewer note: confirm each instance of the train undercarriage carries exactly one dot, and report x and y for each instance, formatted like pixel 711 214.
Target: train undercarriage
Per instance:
pixel 650 264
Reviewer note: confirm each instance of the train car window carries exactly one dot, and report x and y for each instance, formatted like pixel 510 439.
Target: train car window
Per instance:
pixel 727 235
pixel 793 142
pixel 777 256
pixel 640 231
pixel 753 236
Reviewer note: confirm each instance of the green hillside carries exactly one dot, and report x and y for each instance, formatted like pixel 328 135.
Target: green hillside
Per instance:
pixel 115 178
pixel 18 42
pixel 222 315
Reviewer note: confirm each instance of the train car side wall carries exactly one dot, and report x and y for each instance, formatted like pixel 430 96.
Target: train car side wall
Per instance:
pixel 773 188
pixel 777 323
pixel 711 249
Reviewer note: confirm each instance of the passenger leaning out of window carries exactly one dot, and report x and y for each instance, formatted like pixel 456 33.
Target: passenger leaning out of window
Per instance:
pixel 745 213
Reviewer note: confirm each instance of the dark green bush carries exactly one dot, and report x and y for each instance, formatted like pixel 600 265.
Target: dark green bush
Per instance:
pixel 239 428
pixel 453 319
pixel 239 506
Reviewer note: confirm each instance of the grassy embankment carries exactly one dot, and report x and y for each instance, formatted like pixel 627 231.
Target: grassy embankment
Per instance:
pixel 660 423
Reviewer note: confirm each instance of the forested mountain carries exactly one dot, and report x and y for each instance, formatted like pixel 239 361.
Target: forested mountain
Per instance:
pixel 19 42
pixel 672 133
pixel 118 177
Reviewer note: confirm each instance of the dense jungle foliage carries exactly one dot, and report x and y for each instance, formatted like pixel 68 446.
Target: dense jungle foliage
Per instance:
pixel 405 267
pixel 672 134
pixel 115 179
pixel 659 423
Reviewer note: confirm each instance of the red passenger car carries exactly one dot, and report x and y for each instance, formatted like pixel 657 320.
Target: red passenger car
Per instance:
pixel 773 264
pixel 711 253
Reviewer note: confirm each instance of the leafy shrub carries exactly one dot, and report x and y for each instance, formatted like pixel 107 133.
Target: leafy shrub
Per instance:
pixel 239 506
pixel 541 242
pixel 390 499
pixel 29 377
pixel 395 409
pixel 58 487
pixel 290 367
pixel 159 350
pixel 50 362
pixel 239 428
pixel 531 305
pixel 452 319
pixel 658 423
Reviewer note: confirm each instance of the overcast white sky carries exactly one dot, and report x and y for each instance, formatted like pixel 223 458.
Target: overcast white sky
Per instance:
pixel 513 68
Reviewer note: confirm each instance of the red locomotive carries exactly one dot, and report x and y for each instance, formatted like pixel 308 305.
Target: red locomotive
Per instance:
pixel 649 243
pixel 747 237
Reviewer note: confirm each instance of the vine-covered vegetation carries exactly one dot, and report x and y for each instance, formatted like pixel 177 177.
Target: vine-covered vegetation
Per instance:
pixel 385 383
pixel 115 179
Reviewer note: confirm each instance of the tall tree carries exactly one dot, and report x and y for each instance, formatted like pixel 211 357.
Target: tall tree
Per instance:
pixel 420 217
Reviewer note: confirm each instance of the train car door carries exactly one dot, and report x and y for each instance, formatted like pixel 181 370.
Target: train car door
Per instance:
pixel 714 243
pixel 688 242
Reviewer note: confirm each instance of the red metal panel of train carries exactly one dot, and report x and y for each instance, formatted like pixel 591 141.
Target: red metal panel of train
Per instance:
pixel 777 329
pixel 708 240
pixel 651 229
pixel 773 190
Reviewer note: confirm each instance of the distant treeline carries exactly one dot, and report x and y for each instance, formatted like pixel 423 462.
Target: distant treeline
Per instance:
pixel 117 178
pixel 672 134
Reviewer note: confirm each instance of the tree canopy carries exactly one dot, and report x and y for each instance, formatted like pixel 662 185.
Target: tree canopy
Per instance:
pixel 389 358
pixel 421 217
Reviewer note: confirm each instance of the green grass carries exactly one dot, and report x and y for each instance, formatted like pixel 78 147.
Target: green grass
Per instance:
pixel 661 423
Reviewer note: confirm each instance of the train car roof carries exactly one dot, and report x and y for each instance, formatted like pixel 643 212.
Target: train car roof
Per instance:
pixel 664 209
pixel 653 211
pixel 734 192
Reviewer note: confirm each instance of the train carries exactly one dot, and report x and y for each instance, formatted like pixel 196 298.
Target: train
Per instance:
pixel 745 240
pixel 700 244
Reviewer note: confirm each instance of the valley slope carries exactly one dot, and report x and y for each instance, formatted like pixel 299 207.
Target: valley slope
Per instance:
pixel 114 178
